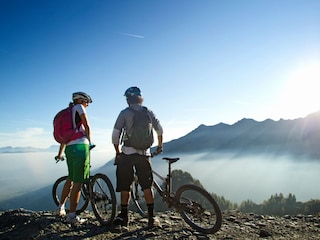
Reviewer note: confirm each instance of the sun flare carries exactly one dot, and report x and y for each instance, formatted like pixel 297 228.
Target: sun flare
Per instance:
pixel 300 95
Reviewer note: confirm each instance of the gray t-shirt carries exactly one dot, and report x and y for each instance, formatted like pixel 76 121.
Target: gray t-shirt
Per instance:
pixel 124 124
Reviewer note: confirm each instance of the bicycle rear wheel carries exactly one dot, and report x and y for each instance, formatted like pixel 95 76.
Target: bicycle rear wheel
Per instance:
pixel 137 198
pixel 57 190
pixel 198 209
pixel 103 199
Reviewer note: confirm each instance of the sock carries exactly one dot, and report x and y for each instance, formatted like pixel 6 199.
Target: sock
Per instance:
pixel 124 209
pixel 72 214
pixel 61 206
pixel 150 209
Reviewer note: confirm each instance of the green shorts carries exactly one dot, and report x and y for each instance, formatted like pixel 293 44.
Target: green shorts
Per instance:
pixel 78 161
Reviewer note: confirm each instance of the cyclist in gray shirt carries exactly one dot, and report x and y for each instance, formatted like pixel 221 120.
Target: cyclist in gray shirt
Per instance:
pixel 129 158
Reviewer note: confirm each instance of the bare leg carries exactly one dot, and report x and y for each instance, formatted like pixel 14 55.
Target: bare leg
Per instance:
pixel 125 197
pixel 148 195
pixel 75 196
pixel 65 192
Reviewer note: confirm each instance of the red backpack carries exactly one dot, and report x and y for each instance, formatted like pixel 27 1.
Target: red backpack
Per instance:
pixel 63 130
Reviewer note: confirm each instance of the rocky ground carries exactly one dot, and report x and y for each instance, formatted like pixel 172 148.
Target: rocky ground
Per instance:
pixel 24 224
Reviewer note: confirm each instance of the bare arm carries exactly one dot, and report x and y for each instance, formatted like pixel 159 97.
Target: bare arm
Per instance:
pixel 86 125
pixel 117 148
pixel 61 150
pixel 60 153
pixel 116 140
pixel 160 139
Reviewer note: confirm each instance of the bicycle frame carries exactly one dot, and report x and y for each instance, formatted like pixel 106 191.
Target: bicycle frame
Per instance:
pixel 195 205
pixel 166 194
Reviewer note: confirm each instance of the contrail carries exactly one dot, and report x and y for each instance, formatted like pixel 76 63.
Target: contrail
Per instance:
pixel 132 35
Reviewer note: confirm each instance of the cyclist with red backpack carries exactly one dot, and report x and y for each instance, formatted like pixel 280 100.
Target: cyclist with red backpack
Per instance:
pixel 77 153
pixel 132 138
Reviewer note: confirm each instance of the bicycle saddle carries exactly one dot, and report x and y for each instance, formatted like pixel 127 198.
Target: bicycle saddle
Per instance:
pixel 171 160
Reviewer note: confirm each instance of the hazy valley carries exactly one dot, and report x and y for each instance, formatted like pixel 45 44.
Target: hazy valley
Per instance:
pixel 246 160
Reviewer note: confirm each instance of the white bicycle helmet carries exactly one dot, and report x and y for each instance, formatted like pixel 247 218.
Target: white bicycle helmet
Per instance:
pixel 82 96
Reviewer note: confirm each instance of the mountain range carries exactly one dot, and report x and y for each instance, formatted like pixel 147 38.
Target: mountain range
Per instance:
pixel 9 149
pixel 295 137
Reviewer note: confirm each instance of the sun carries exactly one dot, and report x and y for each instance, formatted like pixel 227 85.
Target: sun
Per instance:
pixel 300 95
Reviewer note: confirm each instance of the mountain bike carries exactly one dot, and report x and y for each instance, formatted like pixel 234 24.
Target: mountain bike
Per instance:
pixel 98 190
pixel 196 206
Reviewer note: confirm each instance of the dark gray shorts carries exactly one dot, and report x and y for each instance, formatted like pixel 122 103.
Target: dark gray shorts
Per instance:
pixel 125 171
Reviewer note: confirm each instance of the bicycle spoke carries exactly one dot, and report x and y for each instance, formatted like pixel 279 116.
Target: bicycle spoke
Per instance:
pixel 103 199
pixel 199 209
pixel 56 194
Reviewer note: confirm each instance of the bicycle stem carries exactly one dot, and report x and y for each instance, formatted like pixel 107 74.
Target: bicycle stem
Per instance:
pixel 169 181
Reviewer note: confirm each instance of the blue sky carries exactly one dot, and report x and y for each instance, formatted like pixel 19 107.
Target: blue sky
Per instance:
pixel 196 62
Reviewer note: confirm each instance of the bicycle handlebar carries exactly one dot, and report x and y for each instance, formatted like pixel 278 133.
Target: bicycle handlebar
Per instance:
pixel 157 152
pixel 57 158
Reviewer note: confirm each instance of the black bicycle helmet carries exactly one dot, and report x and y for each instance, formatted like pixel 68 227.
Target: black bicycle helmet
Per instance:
pixel 132 91
pixel 82 96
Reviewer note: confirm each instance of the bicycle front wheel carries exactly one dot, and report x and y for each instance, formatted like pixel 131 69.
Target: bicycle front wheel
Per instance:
pixel 198 208
pixel 57 191
pixel 103 199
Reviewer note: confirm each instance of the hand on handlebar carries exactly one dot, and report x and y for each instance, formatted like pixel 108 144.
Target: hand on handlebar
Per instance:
pixel 157 151
pixel 59 158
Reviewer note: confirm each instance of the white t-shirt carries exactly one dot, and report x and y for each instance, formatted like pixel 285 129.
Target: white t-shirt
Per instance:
pixel 80 109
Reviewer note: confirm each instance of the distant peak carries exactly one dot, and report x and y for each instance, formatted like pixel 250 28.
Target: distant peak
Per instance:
pixel 245 121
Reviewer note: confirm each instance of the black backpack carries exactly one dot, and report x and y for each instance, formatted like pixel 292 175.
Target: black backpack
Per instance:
pixel 141 136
